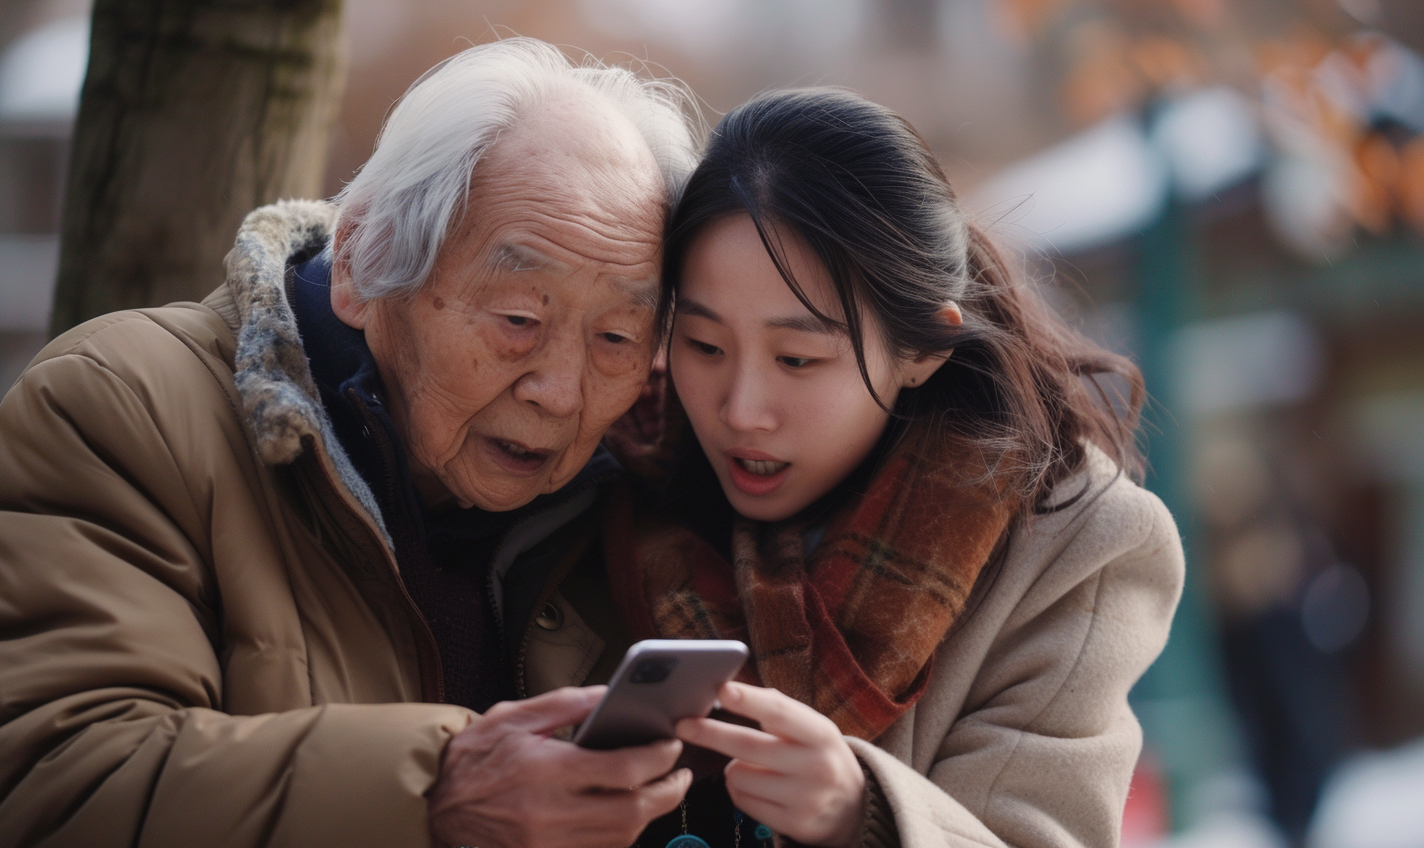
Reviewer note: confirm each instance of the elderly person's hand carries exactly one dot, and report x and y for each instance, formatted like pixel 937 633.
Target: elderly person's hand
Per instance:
pixel 795 775
pixel 506 783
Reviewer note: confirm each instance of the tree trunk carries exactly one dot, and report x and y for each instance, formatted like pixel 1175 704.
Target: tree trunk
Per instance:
pixel 1404 19
pixel 193 113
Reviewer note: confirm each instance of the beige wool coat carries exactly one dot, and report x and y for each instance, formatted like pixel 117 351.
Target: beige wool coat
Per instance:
pixel 204 639
pixel 1024 736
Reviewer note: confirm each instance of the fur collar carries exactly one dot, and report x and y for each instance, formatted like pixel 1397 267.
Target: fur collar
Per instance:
pixel 281 408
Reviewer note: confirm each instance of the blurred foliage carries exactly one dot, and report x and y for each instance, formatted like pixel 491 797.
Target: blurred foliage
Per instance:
pixel 1316 75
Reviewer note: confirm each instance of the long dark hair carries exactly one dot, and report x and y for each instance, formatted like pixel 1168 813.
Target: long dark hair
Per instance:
pixel 859 186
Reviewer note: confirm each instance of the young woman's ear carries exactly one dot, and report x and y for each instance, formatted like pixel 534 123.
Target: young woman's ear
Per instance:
pixel 345 302
pixel 917 371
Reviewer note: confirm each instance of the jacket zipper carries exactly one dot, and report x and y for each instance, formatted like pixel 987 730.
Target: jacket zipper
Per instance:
pixel 521 657
pixel 432 674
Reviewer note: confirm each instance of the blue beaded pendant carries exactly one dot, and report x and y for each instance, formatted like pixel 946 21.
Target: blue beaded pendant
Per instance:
pixel 687 840
pixel 762 832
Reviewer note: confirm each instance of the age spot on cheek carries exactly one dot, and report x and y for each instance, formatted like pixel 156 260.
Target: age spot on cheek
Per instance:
pixel 439 302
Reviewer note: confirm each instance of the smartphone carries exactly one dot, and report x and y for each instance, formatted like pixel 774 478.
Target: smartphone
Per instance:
pixel 659 682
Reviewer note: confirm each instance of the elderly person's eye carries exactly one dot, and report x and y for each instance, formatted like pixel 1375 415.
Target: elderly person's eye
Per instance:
pixel 520 320
pixel 615 338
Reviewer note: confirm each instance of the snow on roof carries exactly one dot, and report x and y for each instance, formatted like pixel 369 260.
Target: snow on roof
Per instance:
pixel 1111 180
pixel 41 73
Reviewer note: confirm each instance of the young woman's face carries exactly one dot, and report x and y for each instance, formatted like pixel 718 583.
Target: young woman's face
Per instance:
pixel 775 396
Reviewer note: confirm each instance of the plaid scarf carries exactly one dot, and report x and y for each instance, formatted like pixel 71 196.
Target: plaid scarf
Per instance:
pixel 850 630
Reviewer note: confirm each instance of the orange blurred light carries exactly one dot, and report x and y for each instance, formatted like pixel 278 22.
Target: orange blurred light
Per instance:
pixel 1411 183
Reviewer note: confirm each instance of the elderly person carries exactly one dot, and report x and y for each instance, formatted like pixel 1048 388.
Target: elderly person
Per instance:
pixel 277 568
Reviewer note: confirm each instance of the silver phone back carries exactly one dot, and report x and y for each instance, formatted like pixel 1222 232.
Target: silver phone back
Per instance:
pixel 638 710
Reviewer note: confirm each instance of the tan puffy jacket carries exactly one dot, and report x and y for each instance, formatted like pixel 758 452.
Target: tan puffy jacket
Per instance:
pixel 203 637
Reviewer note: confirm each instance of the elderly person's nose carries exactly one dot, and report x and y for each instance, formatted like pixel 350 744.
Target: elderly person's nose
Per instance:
pixel 555 383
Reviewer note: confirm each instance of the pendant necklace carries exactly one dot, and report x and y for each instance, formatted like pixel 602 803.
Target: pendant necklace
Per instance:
pixel 688 840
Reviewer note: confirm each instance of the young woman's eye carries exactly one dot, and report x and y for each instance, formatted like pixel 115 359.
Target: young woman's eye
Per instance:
pixel 704 348
pixel 795 361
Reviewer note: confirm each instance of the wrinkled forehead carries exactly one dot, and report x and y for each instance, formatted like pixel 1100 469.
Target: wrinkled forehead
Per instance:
pixel 568 186
pixel 581 153
pixel 637 284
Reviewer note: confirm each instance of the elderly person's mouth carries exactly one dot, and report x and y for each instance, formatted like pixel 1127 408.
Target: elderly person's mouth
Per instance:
pixel 516 457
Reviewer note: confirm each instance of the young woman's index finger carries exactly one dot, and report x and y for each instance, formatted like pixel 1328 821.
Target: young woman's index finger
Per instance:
pixel 731 740
pixel 779 714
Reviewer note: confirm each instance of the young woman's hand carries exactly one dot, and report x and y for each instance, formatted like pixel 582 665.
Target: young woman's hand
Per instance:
pixel 795 775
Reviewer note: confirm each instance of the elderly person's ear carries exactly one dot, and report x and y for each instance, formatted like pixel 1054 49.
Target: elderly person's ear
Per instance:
pixel 350 307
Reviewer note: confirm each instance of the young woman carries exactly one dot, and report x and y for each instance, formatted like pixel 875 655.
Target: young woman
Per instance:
pixel 911 499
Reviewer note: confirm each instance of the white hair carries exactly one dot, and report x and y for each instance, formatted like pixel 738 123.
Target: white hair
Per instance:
pixel 395 213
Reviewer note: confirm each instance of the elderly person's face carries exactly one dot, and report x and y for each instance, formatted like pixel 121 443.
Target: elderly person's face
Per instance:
pixel 535 330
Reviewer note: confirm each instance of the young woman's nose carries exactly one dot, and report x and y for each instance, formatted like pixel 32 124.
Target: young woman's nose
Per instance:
pixel 747 405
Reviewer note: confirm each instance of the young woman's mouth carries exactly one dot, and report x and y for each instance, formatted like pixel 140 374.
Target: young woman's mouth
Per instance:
pixel 517 458
pixel 754 473
pixel 762 467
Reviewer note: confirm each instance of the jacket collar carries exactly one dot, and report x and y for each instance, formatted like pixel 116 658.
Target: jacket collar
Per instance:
pixel 280 404
pixel 281 407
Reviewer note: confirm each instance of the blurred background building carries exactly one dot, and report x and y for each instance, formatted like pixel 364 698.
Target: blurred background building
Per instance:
pixel 1231 191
